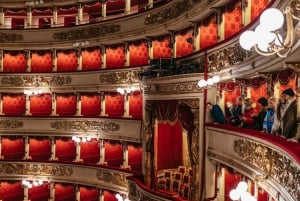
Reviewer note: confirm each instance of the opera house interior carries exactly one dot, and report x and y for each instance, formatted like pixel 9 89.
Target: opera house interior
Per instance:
pixel 149 100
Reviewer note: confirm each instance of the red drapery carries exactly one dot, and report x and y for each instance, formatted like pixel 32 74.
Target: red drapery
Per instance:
pixel 39 149
pixel 208 32
pixel 115 56
pixel 138 53
pixel 67 61
pixel 231 182
pixel 66 104
pixel 91 59
pixel 88 194
pixel 113 153
pixel 41 62
pixel 136 104
pixel 64 192
pixel 90 104
pixel 14 61
pixel 11 191
pixel 160 46
pixel 65 149
pixel 13 148
pixel 90 151
pixel 232 19
pixel 109 196
pixel 13 104
pixel 39 193
pixel 184 43
pixel 41 105
pixel 135 157
pixel 114 104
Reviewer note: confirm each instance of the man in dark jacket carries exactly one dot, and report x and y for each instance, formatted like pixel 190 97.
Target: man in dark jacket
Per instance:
pixel 216 113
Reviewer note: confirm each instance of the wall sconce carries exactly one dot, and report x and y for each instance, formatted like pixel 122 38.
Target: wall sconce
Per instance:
pixel 127 90
pixel 121 197
pixel 29 184
pixel 240 193
pixel 267 38
pixel 82 139
pixel 209 82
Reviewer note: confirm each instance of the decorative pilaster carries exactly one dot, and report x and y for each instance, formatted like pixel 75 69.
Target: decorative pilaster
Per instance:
pixel 53 150
pixel 80 14
pixel 28 60
pixel 29 18
pixel 127 7
pixel 126 104
pixel 102 104
pixel 54 58
pixel 104 10
pixel 78 159
pixel 102 152
pixel 1 105
pixel 52 191
pixel 1 157
pixel 27 104
pixel 78 102
pixel 79 60
pixel 2 18
pixel 54 16
pixel 1 59
pixel 77 193
pixel 25 192
pixel 150 4
pixel 125 155
pixel 53 104
pixel 27 157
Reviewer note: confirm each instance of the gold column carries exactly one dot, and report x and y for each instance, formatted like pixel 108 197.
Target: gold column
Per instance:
pixel 53 104
pixel 29 18
pixel 78 102
pixel 80 14
pixel 26 157
pixel 53 149
pixel 102 152
pixel 127 7
pixel 104 10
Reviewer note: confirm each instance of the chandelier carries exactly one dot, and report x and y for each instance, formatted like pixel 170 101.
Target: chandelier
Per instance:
pixel 269 37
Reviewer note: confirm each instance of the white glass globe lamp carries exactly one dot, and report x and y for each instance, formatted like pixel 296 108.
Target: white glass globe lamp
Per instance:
pixel 271 19
pixel 234 195
pixel 202 83
pixel 247 40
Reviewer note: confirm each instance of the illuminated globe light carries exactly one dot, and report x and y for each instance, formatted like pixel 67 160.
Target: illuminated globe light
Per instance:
pixel 246 196
pixel 271 19
pixel 248 40
pixel 216 79
pixel 210 81
pixel 202 83
pixel 242 186
pixel 234 195
pixel 263 36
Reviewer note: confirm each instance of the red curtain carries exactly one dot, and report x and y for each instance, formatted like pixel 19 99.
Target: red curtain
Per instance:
pixel 88 194
pixel 114 104
pixel 115 7
pixel 14 61
pixel 90 104
pixel 13 148
pixel 135 157
pixel 90 151
pixel 65 149
pixel 67 61
pixel 93 11
pixel 232 19
pixel 39 193
pixel 136 104
pixel 184 43
pixel 44 17
pixel 41 105
pixel 138 53
pixel 169 155
pixel 208 32
pixel 66 104
pixel 160 46
pixel 64 192
pixel 41 62
pixel 231 182
pixel 109 196
pixel 113 153
pixel 40 149
pixel 13 104
pixel 11 191
pixel 115 56
pixel 91 59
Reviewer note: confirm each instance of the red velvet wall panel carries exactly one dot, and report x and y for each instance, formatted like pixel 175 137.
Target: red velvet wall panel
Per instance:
pixel 231 182
pixel 138 53
pixel 13 148
pixel 116 6
pixel 169 155
pixel 13 104
pixel 10 13
pixel 65 149
pixel 41 105
pixel 40 149
pixel 90 104
pixel 135 157
pixel 91 59
pixel 232 95
pixel 90 151
pixel 161 47
pixel 67 61
pixel 113 154
pixel 44 17
pixel 258 92
pixel 64 192
pixel 11 191
pixel 114 104
pixel 136 104
pixel 233 19
pixel 257 6
pixel 14 62
pixel 184 43
pixel 41 62
pixel 109 196
pixel 208 33
pixel 115 56
pixel 66 104
pixel 88 194
pixel 39 193
pixel 17 23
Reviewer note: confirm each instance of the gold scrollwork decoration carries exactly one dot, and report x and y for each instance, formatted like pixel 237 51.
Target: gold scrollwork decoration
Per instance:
pixel 173 88
pixel 112 177
pixel 10 37
pixel 10 124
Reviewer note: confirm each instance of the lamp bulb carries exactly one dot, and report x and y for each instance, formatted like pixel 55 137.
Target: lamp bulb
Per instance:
pixel 271 19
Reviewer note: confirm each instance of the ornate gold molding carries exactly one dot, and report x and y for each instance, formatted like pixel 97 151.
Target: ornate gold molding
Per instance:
pixel 272 163
pixel 85 125
pixel 122 77
pixel 10 124
pixel 112 177
pixel 89 32
pixel 36 81
pixel 35 169
pixel 10 37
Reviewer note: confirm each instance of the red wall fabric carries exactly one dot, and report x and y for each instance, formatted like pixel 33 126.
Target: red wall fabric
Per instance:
pixel 40 149
pixel 168 155
pixel 233 20
pixel 116 6
pixel 90 151
pixel 88 194
pixel 114 104
pixel 113 154
pixel 136 104
pixel 14 104
pixel 257 6
pixel 67 61
pixel 90 105
pixel 14 62
pixel 115 56
pixel 41 105
pixel 135 157
pixel 231 182
pixel 109 196
pixel 161 48
pixel 65 149
pixel 183 47
pixel 39 193
pixel 258 92
pixel 66 104
pixel 13 148
pixel 208 33
pixel 64 192
pixel 91 59
pixel 138 53
pixel 11 191
pixel 41 62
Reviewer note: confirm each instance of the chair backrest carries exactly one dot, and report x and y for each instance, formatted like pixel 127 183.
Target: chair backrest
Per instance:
pixel 167 174
pixel 178 176
pixel 181 169
pixel 186 179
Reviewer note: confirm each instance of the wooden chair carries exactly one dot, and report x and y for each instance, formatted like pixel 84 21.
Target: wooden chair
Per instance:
pixel 163 180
